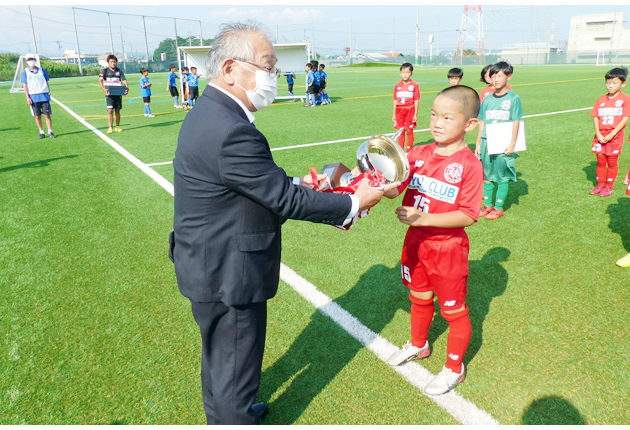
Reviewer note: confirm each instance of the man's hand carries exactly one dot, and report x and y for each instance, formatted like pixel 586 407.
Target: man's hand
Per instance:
pixel 307 181
pixel 409 215
pixel 127 91
pixel 368 196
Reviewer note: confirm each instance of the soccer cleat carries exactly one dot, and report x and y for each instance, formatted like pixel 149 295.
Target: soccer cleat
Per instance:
pixel 41 136
pixel 51 134
pixel 596 190
pixel 409 352
pixel 445 381
pixel 485 211
pixel 494 214
pixel 150 115
pixel 624 262
pixel 118 129
pixel 606 191
pixel 110 130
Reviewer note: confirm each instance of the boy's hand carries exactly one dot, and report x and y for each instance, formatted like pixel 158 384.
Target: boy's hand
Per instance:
pixel 477 151
pixel 415 119
pixel 600 137
pixel 510 149
pixel 625 180
pixel 609 136
pixel 394 118
pixel 409 215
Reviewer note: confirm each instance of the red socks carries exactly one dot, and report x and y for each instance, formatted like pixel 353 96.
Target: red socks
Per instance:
pixel 459 332
pixel 607 169
pixel 421 317
pixel 401 139
pixel 409 139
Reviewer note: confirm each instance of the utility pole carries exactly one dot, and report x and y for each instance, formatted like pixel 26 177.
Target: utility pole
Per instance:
pixel 417 30
pixel 393 35
pixel 612 37
pixel 350 41
pixel 33 29
pixel 76 35
pixel 111 39
pixel 122 42
pixel 200 35
pixel 146 44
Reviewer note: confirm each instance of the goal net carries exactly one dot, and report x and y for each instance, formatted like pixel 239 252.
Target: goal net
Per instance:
pixel 17 86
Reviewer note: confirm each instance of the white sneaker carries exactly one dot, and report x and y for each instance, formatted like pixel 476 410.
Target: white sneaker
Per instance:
pixel 145 114
pixel 150 115
pixel 445 381
pixel 409 352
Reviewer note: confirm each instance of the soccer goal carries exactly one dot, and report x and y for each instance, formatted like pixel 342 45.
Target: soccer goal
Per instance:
pixel 601 62
pixel 17 86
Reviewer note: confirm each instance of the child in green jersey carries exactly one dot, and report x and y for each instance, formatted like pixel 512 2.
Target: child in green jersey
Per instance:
pixel 501 106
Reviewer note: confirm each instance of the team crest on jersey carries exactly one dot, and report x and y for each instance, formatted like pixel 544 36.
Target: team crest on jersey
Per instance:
pixel 419 163
pixel 117 73
pixel 400 88
pixel 453 173
pixel 431 187
pixel 619 103
pixel 506 104
pixel 410 88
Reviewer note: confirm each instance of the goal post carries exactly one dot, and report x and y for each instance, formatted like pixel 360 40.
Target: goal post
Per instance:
pixel 17 86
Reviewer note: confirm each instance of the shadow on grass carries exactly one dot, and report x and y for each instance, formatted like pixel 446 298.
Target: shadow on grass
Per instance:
pixel 35 164
pixel 552 410
pixel 591 174
pixel 620 220
pixel 517 189
pixel 9 129
pixel 487 279
pixel 323 349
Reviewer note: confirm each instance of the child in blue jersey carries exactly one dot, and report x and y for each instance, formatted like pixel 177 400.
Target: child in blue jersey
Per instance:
pixel 310 86
pixel 323 81
pixel 171 86
pixel 193 86
pixel 145 91
pixel 186 93
pixel 290 79
pixel 316 83
pixel 35 81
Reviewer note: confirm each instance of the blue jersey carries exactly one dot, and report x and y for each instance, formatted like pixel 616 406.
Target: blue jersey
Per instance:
pixel 322 77
pixel 317 75
pixel 184 77
pixel 38 89
pixel 144 91
pixel 290 77
pixel 193 80
pixel 171 79
pixel 310 78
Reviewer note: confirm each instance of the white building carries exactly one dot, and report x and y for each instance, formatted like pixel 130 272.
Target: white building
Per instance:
pixel 598 34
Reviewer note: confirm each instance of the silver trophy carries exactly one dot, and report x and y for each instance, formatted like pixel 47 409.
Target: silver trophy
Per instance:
pixel 380 153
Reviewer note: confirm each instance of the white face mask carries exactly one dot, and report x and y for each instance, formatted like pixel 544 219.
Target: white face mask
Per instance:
pixel 266 88
pixel 31 63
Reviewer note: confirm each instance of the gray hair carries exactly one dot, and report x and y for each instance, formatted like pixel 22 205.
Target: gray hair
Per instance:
pixel 233 41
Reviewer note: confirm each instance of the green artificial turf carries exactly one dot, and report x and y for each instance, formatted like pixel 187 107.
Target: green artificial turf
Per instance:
pixel 96 332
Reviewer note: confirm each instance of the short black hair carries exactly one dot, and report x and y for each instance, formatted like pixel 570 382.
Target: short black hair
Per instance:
pixel 456 72
pixel 466 96
pixel 323 66
pixel 617 72
pixel 314 63
pixel 144 69
pixel 110 56
pixel 193 67
pixel 171 66
pixel 502 66
pixel 483 73
pixel 406 65
pixel 185 68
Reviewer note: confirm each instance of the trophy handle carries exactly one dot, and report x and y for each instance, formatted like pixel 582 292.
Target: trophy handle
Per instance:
pixel 397 134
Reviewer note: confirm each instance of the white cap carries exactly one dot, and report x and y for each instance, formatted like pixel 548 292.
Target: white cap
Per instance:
pixel 29 56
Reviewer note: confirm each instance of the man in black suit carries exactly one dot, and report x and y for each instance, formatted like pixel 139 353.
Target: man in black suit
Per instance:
pixel 231 200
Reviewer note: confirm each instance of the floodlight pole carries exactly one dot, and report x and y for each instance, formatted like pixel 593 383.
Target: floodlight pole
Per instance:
pixel 438 37
pixel 179 61
pixel 146 44
pixel 200 35
pixel 417 31
pixel 111 39
pixel 76 35
pixel 350 41
pixel 313 39
pixel 33 29
pixel 393 35
pixel 122 42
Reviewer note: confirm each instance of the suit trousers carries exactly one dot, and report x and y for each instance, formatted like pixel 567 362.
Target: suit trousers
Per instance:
pixel 233 342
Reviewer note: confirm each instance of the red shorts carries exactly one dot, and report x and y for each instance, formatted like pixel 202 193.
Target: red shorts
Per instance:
pixel 404 117
pixel 611 148
pixel 439 264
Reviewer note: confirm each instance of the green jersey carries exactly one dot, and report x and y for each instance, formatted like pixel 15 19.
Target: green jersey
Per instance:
pixel 505 108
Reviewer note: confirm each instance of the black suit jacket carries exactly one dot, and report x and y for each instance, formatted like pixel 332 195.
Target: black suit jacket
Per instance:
pixel 230 202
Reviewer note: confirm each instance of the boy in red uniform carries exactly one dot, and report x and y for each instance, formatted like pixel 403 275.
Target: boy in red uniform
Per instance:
pixel 610 115
pixel 406 98
pixel 443 197
pixel 485 78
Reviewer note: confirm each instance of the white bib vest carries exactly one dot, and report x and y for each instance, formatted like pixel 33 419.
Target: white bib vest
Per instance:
pixel 36 82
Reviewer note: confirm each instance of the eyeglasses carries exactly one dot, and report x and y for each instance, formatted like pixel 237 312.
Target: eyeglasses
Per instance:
pixel 272 71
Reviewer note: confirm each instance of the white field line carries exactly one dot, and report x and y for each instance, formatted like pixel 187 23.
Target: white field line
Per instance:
pixel 367 137
pixel 459 408
pixel 146 169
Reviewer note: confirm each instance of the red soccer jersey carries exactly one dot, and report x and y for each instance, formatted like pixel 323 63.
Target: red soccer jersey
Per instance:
pixel 439 184
pixel 610 112
pixel 406 94
pixel 490 90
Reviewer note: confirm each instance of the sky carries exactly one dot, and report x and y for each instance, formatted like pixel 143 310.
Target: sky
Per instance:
pixel 331 28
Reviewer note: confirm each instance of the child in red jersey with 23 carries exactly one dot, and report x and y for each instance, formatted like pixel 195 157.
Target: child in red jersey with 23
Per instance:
pixel 406 98
pixel 443 196
pixel 610 116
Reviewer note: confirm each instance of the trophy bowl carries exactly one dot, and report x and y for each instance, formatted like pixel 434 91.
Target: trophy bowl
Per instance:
pixel 384 154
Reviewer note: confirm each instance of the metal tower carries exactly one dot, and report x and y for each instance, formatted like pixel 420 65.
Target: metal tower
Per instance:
pixel 470 44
